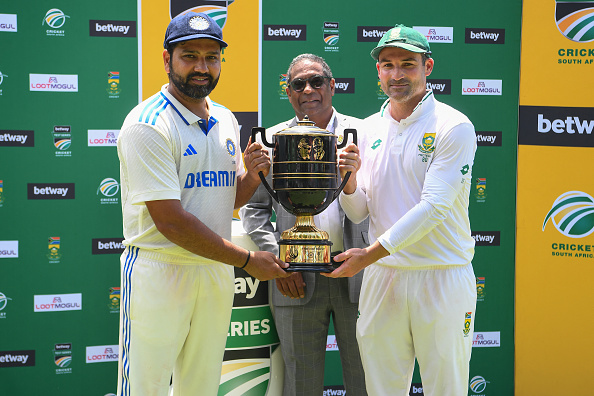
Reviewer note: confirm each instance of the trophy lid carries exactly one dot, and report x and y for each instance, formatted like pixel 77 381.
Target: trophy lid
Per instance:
pixel 305 127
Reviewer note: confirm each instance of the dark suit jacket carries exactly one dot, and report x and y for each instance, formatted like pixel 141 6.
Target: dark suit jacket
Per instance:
pixel 256 214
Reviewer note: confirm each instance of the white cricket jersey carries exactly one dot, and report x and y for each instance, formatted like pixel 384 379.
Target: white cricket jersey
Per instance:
pixel 414 183
pixel 165 154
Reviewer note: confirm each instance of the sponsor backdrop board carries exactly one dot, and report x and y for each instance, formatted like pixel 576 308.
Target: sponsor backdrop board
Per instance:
pixel 476 47
pixel 60 213
pixel 555 220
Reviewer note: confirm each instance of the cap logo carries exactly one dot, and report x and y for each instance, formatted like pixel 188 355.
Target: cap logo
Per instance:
pixel 199 23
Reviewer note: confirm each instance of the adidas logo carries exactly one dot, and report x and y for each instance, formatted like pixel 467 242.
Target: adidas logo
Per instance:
pixel 190 151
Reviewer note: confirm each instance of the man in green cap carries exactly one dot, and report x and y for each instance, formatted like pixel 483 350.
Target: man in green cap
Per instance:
pixel 418 296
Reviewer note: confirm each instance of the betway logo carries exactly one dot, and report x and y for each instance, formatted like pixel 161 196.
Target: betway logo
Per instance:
pixel 484 36
pixel 440 87
pixel 371 33
pixel 332 392
pixel 246 285
pixel 107 246
pixel 344 85
pixel 285 32
pixel 569 124
pixel 488 138
pixel 16 138
pixel 50 191
pixel 17 358
pixel 486 238
pixel 112 28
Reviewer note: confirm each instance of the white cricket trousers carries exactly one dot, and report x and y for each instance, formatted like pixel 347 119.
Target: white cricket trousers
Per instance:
pixel 422 313
pixel 174 319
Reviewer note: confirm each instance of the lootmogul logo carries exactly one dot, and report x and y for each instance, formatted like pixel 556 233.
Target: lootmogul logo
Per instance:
pixel 53 82
pixel 572 214
pixel 574 19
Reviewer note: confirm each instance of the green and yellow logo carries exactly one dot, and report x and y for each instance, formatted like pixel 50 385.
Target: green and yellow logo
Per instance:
pixel 572 214
pixel 574 19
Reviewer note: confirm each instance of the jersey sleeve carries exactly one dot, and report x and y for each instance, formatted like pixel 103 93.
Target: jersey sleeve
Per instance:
pixel 446 178
pixel 148 164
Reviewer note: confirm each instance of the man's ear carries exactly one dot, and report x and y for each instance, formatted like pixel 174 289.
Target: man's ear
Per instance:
pixel 166 59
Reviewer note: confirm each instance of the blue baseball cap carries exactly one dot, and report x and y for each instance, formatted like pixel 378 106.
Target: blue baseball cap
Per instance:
pixel 193 25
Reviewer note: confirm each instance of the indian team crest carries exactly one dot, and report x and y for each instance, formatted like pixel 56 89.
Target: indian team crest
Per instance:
pixel 572 214
pixel 427 146
pixel 230 147
pixel 575 19
pixel 216 9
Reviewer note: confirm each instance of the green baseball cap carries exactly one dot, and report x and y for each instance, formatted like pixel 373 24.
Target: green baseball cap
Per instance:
pixel 402 37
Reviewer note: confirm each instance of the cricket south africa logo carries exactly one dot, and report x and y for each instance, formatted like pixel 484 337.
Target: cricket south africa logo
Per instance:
pixel 575 19
pixel 427 146
pixel 216 9
pixel 55 18
pixel 572 214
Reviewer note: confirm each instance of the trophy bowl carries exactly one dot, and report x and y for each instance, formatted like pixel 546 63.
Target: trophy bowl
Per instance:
pixel 305 181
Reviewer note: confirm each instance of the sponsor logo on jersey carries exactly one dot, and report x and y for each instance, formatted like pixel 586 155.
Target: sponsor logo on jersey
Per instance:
pixel 16 138
pixel 574 20
pixel 285 32
pixel 440 87
pixel 3 303
pixel 62 139
pixel 103 137
pixel 486 238
pixel 467 323
pixel 9 249
pixel 376 144
pixel 8 22
pixel 436 34
pixel 55 19
pixel 210 179
pixel 50 190
pixel 371 34
pixel 480 288
pixel 107 246
pixel 113 84
pixel 331 35
pixel 481 189
pixel 63 358
pixel 572 214
pixel 482 87
pixel 112 28
pixel 491 138
pixel 53 82
pixel 478 384
pixel 109 188
pixel 484 36
pixel 486 339
pixel 53 250
pixel 57 302
pixel 17 358
pixel 102 353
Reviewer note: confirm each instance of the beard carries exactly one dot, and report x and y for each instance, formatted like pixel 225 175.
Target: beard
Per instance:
pixel 403 96
pixel 186 87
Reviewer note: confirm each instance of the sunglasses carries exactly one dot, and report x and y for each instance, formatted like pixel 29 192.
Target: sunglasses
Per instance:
pixel 316 82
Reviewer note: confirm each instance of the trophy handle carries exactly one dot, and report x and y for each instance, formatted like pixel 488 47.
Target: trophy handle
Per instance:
pixel 347 132
pixel 262 131
pixel 344 182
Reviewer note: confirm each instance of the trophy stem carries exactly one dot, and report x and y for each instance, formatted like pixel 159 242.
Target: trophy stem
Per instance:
pixel 305 247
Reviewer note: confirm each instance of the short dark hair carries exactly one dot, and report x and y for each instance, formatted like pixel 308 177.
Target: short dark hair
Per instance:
pixel 312 58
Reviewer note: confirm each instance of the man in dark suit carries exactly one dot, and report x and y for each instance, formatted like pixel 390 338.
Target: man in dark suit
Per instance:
pixel 304 302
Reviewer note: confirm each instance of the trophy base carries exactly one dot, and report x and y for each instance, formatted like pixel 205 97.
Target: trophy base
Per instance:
pixel 311 267
pixel 307 255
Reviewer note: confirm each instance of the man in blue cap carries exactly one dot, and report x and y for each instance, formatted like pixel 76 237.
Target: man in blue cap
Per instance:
pixel 182 175
pixel 418 296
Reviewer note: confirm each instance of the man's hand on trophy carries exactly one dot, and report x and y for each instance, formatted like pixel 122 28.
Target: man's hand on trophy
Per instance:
pixel 256 160
pixel 293 286
pixel 349 161
pixel 265 266
pixel 355 260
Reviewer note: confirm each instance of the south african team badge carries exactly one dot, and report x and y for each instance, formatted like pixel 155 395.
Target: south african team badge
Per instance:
pixel 427 146
pixel 467 321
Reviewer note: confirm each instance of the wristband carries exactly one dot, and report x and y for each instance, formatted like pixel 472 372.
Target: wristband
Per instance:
pixel 246 260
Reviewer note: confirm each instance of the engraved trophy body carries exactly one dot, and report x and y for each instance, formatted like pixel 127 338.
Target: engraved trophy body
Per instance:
pixel 305 181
